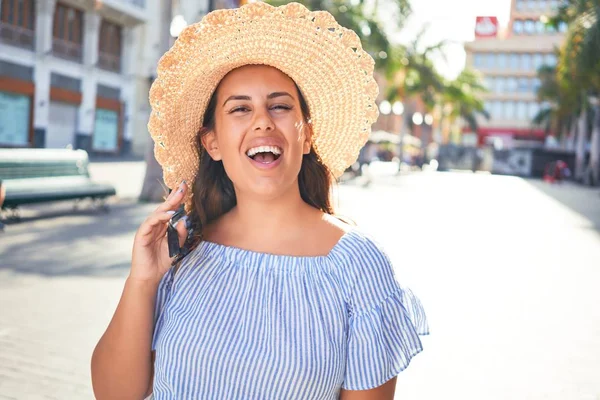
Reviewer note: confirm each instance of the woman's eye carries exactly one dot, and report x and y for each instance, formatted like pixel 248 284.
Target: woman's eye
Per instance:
pixel 241 108
pixel 281 107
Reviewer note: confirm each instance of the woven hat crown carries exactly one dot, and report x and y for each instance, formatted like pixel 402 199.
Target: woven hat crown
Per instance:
pixel 325 60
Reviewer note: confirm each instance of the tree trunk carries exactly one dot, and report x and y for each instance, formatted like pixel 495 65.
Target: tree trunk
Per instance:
pixel 595 148
pixel 580 145
pixel 154 189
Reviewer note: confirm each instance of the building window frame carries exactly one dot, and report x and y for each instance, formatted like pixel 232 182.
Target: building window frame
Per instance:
pixel 529 27
pixel 17 23
pixel 67 32
pixel 110 46
pixel 518 27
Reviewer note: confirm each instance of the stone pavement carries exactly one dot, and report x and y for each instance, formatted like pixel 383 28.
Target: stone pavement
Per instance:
pixel 506 268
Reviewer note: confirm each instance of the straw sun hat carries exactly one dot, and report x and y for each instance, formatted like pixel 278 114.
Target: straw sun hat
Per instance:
pixel 326 61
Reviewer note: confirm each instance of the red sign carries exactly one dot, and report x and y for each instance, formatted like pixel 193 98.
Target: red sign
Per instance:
pixel 486 27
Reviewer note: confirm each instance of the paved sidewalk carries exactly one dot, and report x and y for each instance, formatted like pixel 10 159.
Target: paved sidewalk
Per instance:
pixel 507 270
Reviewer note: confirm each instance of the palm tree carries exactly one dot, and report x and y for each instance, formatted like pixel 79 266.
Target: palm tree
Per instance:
pixel 559 99
pixel 579 67
pixel 461 99
pixel 411 74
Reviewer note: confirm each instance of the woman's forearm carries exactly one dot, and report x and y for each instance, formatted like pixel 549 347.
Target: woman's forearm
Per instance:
pixel 121 363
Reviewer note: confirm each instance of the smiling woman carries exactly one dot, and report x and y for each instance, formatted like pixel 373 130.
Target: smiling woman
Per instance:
pixel 271 296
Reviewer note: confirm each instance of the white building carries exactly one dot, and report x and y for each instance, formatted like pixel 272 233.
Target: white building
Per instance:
pixel 77 72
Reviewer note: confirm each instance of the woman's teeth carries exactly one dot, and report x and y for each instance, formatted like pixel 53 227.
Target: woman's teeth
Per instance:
pixel 264 149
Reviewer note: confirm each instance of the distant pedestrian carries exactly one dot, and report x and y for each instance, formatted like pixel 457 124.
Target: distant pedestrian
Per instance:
pixel 254 110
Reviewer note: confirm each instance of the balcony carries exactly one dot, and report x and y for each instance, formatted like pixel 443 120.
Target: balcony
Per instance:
pixel 109 62
pixel 17 36
pixel 67 50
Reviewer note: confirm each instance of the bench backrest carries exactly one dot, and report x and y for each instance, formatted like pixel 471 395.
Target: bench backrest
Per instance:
pixel 42 163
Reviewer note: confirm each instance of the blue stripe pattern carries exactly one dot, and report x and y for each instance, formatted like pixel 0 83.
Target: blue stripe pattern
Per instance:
pixel 237 324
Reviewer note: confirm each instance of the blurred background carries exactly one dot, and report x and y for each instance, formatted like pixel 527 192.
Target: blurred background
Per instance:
pixel 481 178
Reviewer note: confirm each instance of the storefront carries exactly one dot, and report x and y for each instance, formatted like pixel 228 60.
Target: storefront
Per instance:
pixel 503 138
pixel 107 134
pixel 62 118
pixel 16 99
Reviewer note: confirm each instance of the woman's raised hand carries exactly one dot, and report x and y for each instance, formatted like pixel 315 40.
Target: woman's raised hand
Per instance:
pixel 150 258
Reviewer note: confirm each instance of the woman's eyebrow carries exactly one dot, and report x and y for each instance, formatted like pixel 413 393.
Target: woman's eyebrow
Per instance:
pixel 237 98
pixel 279 94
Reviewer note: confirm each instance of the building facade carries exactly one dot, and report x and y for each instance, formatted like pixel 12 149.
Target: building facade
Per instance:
pixel 68 73
pixel 76 73
pixel 509 61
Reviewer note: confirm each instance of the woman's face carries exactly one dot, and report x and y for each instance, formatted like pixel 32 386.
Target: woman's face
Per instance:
pixel 260 133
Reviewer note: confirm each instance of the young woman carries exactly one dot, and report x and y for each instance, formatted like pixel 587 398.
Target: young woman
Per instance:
pixel 255 111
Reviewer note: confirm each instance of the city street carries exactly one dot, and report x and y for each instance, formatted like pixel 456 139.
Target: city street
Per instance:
pixel 508 270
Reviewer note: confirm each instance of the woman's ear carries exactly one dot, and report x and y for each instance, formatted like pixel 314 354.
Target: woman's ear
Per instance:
pixel 307 138
pixel 210 143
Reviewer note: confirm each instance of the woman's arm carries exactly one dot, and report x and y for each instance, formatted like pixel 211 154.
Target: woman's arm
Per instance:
pixel 383 392
pixel 122 360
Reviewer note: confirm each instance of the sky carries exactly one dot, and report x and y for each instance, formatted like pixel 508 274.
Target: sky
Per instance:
pixel 454 21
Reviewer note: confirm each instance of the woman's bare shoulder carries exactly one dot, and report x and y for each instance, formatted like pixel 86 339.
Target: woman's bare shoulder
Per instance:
pixel 334 228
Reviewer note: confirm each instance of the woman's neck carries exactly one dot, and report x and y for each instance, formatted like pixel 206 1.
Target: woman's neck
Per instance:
pixel 256 219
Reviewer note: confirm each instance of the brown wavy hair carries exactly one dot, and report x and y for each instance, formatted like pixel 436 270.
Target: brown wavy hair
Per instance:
pixel 213 191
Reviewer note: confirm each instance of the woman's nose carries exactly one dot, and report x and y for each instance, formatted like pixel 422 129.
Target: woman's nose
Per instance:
pixel 263 121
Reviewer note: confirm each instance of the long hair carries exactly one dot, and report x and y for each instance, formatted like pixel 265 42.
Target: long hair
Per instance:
pixel 213 191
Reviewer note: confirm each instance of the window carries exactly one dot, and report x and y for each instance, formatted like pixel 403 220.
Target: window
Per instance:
pixel 538 60
pixel 540 27
pixel 490 60
pixel 518 27
pixel 497 110
pixel 510 110
pixel 487 106
pixel 521 111
pixel 526 62
pixel 535 84
pixel 512 85
pixel 514 61
pixel 478 60
pixel 489 83
pixel 550 59
pixel 531 4
pixel 529 27
pixel 520 4
pixel 500 84
pixel 501 60
pixel 524 85
pixel 68 24
pixel 19 13
pixel 563 27
pixel 109 46
pixel 534 109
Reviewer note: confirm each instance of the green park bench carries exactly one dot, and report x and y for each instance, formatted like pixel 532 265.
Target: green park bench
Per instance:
pixel 32 176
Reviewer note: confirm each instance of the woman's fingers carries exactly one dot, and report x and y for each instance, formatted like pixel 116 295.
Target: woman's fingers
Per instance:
pixel 158 218
pixel 174 199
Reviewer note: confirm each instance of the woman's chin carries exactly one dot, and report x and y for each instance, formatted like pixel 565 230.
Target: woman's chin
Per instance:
pixel 270 186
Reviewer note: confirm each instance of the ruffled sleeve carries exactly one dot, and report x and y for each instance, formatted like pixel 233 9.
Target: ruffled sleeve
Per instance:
pixel 385 321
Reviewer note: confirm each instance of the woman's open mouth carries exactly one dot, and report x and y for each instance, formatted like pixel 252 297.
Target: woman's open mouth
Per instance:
pixel 265 156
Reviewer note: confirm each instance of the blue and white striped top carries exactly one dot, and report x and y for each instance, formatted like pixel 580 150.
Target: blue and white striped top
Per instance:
pixel 237 324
